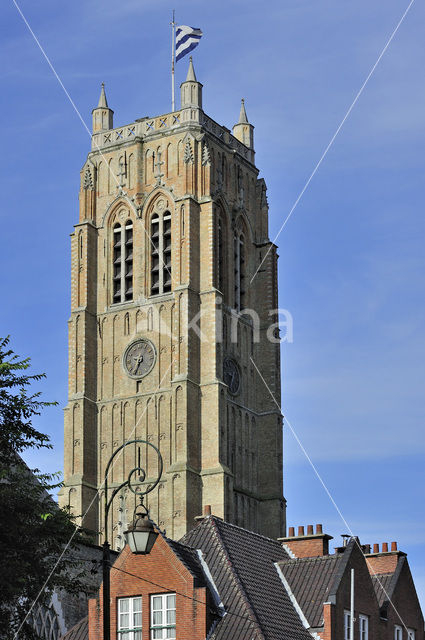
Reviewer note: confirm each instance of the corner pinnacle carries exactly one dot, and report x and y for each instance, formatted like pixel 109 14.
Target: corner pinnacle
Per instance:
pixel 191 77
pixel 243 119
pixel 102 100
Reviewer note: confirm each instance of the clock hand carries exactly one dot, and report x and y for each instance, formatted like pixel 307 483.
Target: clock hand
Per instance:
pixel 139 362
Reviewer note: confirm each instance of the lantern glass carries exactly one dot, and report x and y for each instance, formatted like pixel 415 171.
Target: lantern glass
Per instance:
pixel 141 536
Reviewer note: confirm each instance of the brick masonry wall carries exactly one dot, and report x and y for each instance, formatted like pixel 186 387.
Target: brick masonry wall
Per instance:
pixel 405 609
pixel 307 547
pixel 164 573
pixel 182 406
pixel 365 602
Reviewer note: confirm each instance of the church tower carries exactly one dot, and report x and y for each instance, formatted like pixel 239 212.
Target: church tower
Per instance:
pixel 167 329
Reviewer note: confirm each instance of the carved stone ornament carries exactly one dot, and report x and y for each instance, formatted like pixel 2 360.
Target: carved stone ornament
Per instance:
pixel 88 179
pixel 188 154
pixel 206 156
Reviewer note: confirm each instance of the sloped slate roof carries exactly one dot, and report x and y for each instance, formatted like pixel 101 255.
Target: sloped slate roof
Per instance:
pixel 242 566
pixel 311 580
pixel 78 632
pixel 381 584
pixel 190 559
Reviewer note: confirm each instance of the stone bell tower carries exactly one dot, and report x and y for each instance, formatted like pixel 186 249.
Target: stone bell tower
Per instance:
pixel 168 324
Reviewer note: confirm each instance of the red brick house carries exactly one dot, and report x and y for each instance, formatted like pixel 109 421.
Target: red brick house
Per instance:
pixel 386 605
pixel 224 582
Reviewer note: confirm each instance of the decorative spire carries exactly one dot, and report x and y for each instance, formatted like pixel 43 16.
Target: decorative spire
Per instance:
pixel 102 100
pixel 243 130
pixel 191 77
pixel 191 89
pixel 103 116
pixel 242 115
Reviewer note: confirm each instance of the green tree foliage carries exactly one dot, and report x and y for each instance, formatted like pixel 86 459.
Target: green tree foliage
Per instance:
pixel 34 531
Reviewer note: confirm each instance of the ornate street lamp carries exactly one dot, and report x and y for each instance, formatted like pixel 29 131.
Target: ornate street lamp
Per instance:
pixel 140 535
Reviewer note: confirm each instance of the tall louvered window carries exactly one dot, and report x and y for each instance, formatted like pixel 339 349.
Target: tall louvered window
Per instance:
pixel 239 275
pixel 128 261
pixel 122 263
pixel 117 253
pixel 160 253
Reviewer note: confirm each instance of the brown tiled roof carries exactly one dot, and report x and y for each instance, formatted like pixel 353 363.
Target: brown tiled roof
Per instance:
pixel 79 632
pixel 311 580
pixel 242 566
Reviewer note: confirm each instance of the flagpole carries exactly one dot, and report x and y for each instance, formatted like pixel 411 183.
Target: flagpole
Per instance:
pixel 173 49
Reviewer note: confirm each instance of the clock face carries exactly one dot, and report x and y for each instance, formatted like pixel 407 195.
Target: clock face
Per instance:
pixel 139 358
pixel 231 375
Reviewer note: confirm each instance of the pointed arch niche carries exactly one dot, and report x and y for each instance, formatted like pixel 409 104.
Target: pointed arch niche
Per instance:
pixel 221 252
pixel 240 257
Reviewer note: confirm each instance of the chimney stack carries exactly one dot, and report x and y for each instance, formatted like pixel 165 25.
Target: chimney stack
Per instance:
pixel 206 512
pixel 308 545
pixel 384 562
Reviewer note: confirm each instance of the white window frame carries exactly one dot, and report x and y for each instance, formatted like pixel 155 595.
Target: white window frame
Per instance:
pixel 398 632
pixel 168 630
pixel 363 627
pixel 411 634
pixel 131 632
pixel 347 619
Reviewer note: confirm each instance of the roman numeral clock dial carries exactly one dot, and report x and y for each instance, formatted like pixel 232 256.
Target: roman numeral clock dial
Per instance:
pixel 231 375
pixel 139 358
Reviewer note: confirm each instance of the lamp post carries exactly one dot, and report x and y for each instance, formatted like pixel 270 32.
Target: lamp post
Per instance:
pixel 140 536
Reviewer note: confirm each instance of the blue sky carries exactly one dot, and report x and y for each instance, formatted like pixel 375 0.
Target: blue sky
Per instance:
pixel 351 265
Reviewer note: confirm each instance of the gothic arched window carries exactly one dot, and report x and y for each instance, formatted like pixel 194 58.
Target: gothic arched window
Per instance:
pixel 122 262
pixel 160 237
pixel 240 270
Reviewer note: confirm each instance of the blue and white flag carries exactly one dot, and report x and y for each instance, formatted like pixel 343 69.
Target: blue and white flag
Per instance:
pixel 187 38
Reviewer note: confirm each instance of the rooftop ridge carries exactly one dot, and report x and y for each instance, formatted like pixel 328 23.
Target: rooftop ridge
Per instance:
pixel 253 533
pixel 333 556
pixel 233 572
